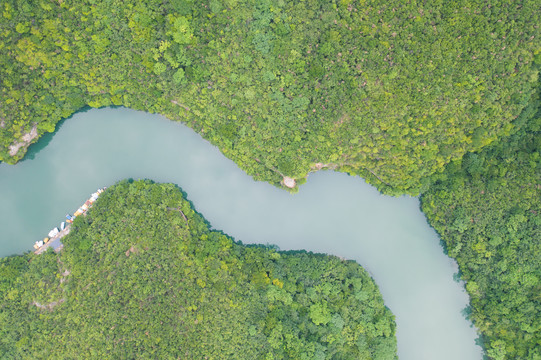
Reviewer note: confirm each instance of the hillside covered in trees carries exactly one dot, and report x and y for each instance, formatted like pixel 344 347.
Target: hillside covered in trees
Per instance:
pixel 142 277
pixel 389 90
pixel 488 212
pixel 435 98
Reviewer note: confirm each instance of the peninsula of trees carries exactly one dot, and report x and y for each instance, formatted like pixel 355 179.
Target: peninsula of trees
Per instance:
pixel 141 276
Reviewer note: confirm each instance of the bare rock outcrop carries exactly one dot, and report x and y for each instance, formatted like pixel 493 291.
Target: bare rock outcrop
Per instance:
pixel 26 140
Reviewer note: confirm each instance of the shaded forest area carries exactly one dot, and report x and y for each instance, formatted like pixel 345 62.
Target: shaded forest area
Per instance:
pixel 488 212
pixel 141 276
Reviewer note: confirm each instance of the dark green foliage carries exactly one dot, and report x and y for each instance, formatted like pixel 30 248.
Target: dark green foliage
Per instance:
pixel 390 90
pixel 488 212
pixel 394 91
pixel 142 277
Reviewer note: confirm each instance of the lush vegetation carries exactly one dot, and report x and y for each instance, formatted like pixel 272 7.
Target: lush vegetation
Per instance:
pixel 488 212
pixel 142 276
pixel 390 90
pixel 403 93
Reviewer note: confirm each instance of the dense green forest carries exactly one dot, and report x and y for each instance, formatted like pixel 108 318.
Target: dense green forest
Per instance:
pixel 488 212
pixel 389 90
pixel 142 277
pixel 416 97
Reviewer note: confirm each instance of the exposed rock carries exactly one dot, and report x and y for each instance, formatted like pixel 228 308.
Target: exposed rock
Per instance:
pixel 131 250
pixel 64 275
pixel 14 149
pixel 181 105
pixel 26 140
pixel 289 182
pixel 49 306
pixel 318 166
pixel 31 135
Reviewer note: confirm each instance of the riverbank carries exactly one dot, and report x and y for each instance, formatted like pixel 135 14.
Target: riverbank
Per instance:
pixel 54 240
pixel 333 213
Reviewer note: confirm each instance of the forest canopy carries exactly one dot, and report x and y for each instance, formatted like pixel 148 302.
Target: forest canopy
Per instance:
pixel 389 90
pixel 488 213
pixel 436 98
pixel 141 276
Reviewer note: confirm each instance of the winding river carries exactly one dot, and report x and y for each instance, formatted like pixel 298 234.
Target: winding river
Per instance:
pixel 333 213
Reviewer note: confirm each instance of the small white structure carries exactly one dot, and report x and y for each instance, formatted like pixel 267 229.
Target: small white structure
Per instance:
pixel 53 232
pixel 289 182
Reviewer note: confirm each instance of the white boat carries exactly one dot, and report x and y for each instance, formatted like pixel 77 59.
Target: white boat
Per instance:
pixel 53 232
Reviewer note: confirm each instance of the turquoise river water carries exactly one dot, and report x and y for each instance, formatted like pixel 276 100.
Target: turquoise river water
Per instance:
pixel 333 213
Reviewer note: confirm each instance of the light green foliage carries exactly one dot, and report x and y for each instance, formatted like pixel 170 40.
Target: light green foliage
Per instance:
pixel 179 76
pixel 142 277
pixel 159 68
pixel 320 314
pixel 488 212
pixel 392 91
pixel 181 32
pixel 397 92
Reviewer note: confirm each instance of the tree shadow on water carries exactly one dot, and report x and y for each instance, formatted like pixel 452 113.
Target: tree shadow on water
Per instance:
pixel 46 138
